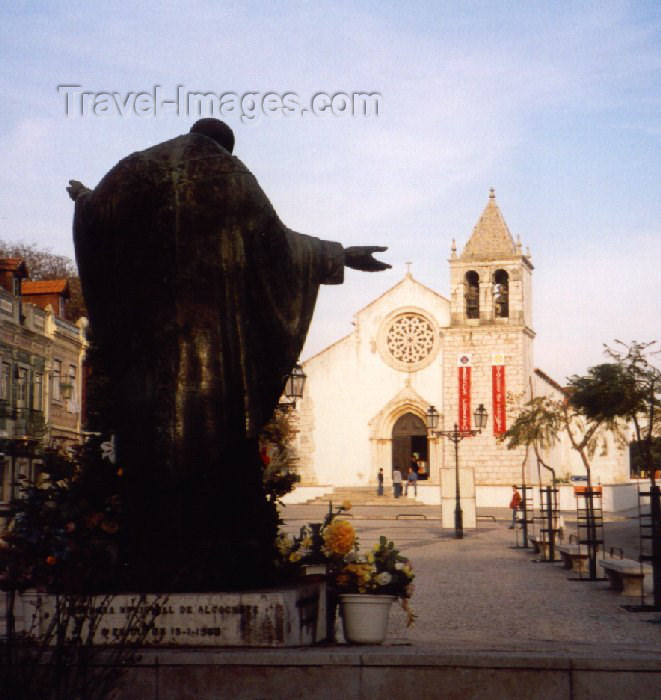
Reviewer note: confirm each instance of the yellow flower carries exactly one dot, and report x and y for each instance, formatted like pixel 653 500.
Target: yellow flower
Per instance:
pixel 346 505
pixel 306 541
pixel 294 556
pixel 370 558
pixel 339 538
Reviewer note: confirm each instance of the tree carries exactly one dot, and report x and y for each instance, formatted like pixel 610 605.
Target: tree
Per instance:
pixel 639 458
pixel 541 420
pixel 43 264
pixel 537 425
pixel 640 395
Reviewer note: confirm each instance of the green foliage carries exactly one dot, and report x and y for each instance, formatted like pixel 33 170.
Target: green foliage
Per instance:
pixel 537 424
pixel 607 391
pixel 643 383
pixel 639 458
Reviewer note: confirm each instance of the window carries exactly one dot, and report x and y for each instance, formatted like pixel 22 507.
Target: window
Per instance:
pixel 38 392
pixel 501 292
pixel 472 294
pixel 57 378
pixel 5 479
pixel 5 381
pixel 21 387
pixel 72 389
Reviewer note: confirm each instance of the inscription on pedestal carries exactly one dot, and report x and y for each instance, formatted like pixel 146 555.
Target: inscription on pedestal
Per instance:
pixel 292 616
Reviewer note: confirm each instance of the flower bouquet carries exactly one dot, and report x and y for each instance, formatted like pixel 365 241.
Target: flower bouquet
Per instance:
pixel 324 543
pixel 381 571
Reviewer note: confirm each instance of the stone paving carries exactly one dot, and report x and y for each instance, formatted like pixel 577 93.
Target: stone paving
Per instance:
pixel 482 590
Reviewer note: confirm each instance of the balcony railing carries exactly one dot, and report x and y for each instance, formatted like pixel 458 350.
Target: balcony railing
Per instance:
pixel 29 422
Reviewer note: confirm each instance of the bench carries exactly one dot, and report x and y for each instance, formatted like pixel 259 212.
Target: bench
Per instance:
pixel 410 515
pixel 540 545
pixel 626 575
pixel 573 557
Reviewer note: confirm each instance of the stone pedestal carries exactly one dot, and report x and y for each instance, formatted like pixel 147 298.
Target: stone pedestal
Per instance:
pixel 283 617
pixel 449 496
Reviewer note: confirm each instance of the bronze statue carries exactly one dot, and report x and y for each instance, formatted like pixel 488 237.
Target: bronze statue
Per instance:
pixel 199 299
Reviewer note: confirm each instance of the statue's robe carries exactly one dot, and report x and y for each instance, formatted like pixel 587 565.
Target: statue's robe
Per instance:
pixel 199 301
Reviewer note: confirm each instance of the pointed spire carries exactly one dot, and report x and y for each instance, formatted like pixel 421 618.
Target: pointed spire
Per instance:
pixel 408 269
pixel 491 237
pixel 453 249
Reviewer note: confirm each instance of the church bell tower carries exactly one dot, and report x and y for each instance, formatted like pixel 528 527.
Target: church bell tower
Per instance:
pixel 488 346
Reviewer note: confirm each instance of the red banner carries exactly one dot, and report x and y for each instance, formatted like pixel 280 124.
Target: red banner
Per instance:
pixel 499 399
pixel 464 397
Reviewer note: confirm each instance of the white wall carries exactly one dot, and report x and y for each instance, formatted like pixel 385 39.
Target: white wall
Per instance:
pixel 349 384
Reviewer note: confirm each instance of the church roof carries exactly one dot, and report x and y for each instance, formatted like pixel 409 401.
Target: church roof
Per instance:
pixel 407 279
pixel 491 239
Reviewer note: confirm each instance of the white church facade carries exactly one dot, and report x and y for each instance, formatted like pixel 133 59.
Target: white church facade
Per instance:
pixel 367 395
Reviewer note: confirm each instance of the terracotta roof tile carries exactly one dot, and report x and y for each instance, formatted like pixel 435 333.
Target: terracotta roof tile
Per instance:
pixel 30 287
pixel 12 264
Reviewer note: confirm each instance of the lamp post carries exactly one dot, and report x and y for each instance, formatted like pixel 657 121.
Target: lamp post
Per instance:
pixel 456 436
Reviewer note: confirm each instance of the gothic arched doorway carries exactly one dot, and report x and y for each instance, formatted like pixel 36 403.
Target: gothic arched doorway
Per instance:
pixel 409 435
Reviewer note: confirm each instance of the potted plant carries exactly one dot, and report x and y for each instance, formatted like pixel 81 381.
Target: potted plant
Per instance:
pixel 319 548
pixel 367 585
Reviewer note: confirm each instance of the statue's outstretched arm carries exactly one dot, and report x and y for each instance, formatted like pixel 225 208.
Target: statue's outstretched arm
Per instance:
pixel 76 188
pixel 360 258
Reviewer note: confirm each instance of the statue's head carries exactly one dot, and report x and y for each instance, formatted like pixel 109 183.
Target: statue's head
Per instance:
pixel 216 130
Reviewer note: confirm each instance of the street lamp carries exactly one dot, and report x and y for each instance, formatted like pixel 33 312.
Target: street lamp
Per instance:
pixel 456 436
pixel 294 385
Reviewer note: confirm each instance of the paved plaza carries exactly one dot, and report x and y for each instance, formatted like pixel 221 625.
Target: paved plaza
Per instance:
pixel 483 590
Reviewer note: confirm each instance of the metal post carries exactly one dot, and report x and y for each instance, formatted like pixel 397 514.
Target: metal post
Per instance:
pixel 524 510
pixel 592 534
pixel 549 522
pixel 458 513
pixel 655 515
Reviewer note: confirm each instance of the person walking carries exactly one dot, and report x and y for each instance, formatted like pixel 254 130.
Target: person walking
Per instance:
pixel 514 505
pixel 396 482
pixel 412 480
pixel 379 478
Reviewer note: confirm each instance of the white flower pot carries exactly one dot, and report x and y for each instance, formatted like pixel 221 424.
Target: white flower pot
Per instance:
pixel 365 617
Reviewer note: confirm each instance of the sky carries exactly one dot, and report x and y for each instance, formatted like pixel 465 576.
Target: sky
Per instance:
pixel 555 105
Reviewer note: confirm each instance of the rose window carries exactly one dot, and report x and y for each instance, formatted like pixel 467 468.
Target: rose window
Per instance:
pixel 410 338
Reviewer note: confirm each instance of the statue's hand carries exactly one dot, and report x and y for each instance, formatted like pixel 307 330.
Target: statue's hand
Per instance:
pixel 75 189
pixel 360 258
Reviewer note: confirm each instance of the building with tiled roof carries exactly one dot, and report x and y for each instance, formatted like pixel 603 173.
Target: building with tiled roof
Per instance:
pixel 41 372
pixel 45 293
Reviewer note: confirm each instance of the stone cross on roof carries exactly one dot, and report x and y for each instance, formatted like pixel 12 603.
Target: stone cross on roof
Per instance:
pixel 490 238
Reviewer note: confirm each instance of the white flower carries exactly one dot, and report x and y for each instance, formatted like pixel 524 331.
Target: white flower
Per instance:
pixel 383 579
pixel 351 557
pixel 399 566
pixel 108 450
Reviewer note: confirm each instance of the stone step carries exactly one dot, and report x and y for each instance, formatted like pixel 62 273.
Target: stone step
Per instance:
pixel 363 497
